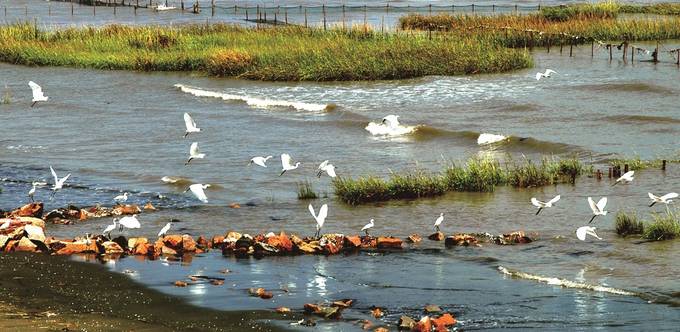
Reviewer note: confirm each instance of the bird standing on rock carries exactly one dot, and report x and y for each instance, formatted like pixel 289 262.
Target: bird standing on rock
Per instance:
pixel 320 218
pixel 438 221
pixel 165 229
pixel 368 226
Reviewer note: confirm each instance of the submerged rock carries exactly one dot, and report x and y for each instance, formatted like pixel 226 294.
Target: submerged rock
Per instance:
pixel 414 238
pixel 352 242
pixel 423 325
pixel 516 237
pixel 438 236
pixel 29 210
pixel 460 240
pixel 389 243
pixel 443 322
pixel 324 311
pixel 344 303
pixel 406 323
pixel 432 308
pixel 377 312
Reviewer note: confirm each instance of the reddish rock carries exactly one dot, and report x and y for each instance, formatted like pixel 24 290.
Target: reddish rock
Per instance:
pixel 126 209
pixel 188 243
pixel 281 242
pixel 217 242
pixel 3 240
pixel 165 250
pixel 202 243
pixel 406 323
pixel 352 242
pixel 327 312
pixel 443 322
pixel 31 221
pixel 158 247
pixel 173 241
pixel 29 210
pixel 377 312
pixel 305 246
pixel 369 242
pixel 461 240
pixel 432 308
pixel 26 245
pixel 344 303
pixel 217 282
pixel 414 238
pixel 112 248
pixel 438 236
pixel 389 243
pixel 73 247
pixel 517 237
pixel 180 283
pixel 423 325
pixel 283 310
pixel 235 206
pixel 331 243
pixel 10 245
pixel 133 242
pixel 312 308
pixel 149 206
pixel 261 293
pixel 143 249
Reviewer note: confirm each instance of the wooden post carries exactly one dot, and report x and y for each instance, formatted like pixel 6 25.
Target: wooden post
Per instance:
pixel 610 52
pixel 114 9
pixel 678 52
pixel 592 48
pixel 382 24
pixel 365 26
pixel 343 17
pixel 493 8
pixel 599 174
pixel 246 14
pixel 212 8
pixel 182 5
pixel 632 53
pixel 136 9
pixel 655 55
pixel 49 10
pixel 625 168
pixel 561 45
pixel 515 8
pixel 94 9
pixel 663 165
pixel 275 18
pixel 610 172
pixel 323 11
pixel 571 48
pixel 473 7
pixel 285 14
pixel 430 6
pixel 625 51
pixel 305 17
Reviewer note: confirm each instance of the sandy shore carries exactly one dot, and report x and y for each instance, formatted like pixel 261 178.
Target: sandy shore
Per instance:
pixel 50 293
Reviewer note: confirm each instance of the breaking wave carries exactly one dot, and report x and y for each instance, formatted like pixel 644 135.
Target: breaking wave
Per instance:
pixel 380 129
pixel 565 283
pixel 254 101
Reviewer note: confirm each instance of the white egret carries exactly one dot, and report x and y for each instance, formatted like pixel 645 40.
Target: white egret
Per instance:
pixel 129 222
pixel 547 73
pixel 110 228
pixel 58 183
pixel 485 138
pixel 368 226
pixel 320 218
pixel 287 163
pixel 541 205
pixel 391 121
pixel 32 192
pixel 190 124
pixel 194 153
pixel 38 94
pixel 326 167
pixel 259 161
pixel 598 209
pixel 438 221
pixel 666 199
pixel 197 190
pixel 165 229
pixel 627 177
pixel 582 231
pixel 121 198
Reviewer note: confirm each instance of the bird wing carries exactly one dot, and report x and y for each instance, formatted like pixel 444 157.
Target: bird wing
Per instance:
pixel 592 205
pixel 189 122
pixel 54 174
pixel 538 76
pixel 653 197
pixel 323 213
pixel 197 189
pixel 323 165
pixel 550 71
pixel 63 180
pixel 536 202
pixel 36 89
pixel 330 169
pixel 554 200
pixel 286 160
pixel 439 221
pixel 627 176
pixel 602 203
pixel 669 196
pixel 591 232
pixel 581 233
pixel 193 150
pixel 311 210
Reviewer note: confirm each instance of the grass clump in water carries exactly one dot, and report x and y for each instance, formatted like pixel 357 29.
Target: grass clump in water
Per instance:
pixel 636 163
pixel 656 8
pixel 602 10
pixel 663 227
pixel 305 190
pixel 273 54
pixel 6 97
pixel 549 171
pixel 478 174
pixel 628 224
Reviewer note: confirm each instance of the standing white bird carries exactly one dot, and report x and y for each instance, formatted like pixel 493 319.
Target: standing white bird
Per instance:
pixel 391 121
pixel 194 153
pixel 582 231
pixel 190 124
pixel 541 205
pixel 259 161
pixel 438 221
pixel 37 93
pixel 547 73
pixel 368 226
pixel 129 222
pixel 121 198
pixel 110 228
pixel 287 163
pixel 598 209
pixel 627 177
pixel 165 229
pixel 320 218
pixel 326 167
pixel 197 190
pixel 58 183
pixel 31 192
pixel 666 199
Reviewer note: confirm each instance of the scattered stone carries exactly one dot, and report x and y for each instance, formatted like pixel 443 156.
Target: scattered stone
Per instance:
pixel 379 329
pixel 217 282
pixel 26 245
pixel 149 206
pixel 34 233
pixel 423 325
pixel 516 237
pixel 377 312
pixel 180 283
pixel 432 308
pixel 283 310
pixel 173 241
pixel 188 243
pixel 366 324
pixel 73 247
pixel 235 206
pixel 438 236
pixel 202 243
pixel 344 303
pixel 414 238
pixel 217 242
pixel 261 293
pixel 369 242
pixel 443 322
pixel 332 243
pixel 126 209
pixel 112 248
pixel 406 323
pixel 225 271
pixel 281 242
pixel 29 210
pixel 389 243
pixel 352 242
pixel 461 240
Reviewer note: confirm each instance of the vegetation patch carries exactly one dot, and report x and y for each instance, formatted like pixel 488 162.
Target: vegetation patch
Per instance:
pixel 305 190
pixel 628 224
pixel 663 227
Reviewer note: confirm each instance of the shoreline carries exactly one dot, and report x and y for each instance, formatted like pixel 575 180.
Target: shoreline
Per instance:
pixel 61 293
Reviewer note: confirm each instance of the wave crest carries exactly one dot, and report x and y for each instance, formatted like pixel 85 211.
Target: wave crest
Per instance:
pixel 564 282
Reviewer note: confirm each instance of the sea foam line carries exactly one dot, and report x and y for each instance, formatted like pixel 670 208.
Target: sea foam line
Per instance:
pixel 565 283
pixel 253 101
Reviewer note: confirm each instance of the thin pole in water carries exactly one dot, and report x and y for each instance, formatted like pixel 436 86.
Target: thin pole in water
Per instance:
pixel 632 53
pixel 663 162
pixel 306 17
pixel 323 10
pixel 571 48
pixel 592 48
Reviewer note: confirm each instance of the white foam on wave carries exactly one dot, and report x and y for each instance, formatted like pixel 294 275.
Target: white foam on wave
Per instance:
pixel 564 282
pixel 485 139
pixel 254 101
pixel 380 129
pixel 25 148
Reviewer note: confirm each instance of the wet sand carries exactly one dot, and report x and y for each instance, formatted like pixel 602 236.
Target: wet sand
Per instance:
pixel 49 293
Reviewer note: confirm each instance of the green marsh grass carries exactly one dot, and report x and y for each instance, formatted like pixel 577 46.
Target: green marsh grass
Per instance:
pixel 664 226
pixel 636 163
pixel 656 8
pixel 305 190
pixel 272 54
pixel 628 224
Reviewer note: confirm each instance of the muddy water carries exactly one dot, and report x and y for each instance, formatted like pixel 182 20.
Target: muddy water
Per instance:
pixel 122 131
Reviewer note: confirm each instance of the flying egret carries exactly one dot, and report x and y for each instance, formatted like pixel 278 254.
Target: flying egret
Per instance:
pixel 190 124
pixel 326 167
pixel 391 121
pixel 438 221
pixel 368 226
pixel 287 163
pixel 540 205
pixel 194 153
pixel 486 138
pixel 582 231
pixel 121 198
pixel 666 199
pixel 197 190
pixel 598 209
pixel 547 73
pixel 129 222
pixel 320 218
pixel 165 229
pixel 627 177
pixel 58 183
pixel 110 228
pixel 260 161
pixel 37 93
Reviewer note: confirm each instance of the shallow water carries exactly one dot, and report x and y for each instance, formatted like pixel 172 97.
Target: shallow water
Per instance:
pixel 122 131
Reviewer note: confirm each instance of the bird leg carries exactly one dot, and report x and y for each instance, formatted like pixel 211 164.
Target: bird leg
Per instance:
pixel 186 134
pixel 615 183
pixel 188 161
pixel 539 211
pixel 31 197
pixel 284 171
pixel 366 232
pixel 436 228
pixel 33 103
pixel 591 219
pixel 650 205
